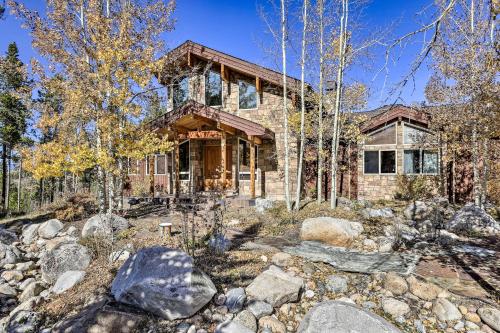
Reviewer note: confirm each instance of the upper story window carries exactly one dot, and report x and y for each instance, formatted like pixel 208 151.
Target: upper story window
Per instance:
pixel 213 89
pixel 247 95
pixel 180 91
pixel 383 136
pixel 415 135
pixel 380 162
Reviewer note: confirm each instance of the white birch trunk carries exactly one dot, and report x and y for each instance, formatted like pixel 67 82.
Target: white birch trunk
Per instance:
pixel 285 108
pixel 302 107
pixel 19 179
pixel 320 107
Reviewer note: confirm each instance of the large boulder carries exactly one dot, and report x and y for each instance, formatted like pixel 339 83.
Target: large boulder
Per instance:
pixel 163 281
pixel 49 229
pixel 369 213
pixel 29 233
pixel 7 237
pixel 445 310
pixel 329 230
pixel 417 211
pixel 104 225
pixel 490 316
pixel 63 258
pixel 275 287
pixel 473 218
pixel 340 317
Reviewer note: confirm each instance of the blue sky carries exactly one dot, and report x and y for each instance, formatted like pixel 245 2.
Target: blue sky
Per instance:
pixel 236 28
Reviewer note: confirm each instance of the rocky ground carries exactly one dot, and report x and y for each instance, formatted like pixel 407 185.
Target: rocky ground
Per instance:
pixel 383 267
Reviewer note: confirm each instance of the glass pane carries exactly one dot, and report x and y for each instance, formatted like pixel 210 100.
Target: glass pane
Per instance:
pixel 383 137
pixel 411 161
pixel 371 162
pixel 430 161
pixel 213 89
pixel 184 176
pixel 184 157
pixel 245 176
pixel 181 92
pixel 388 161
pixel 160 164
pixel 413 135
pixel 248 95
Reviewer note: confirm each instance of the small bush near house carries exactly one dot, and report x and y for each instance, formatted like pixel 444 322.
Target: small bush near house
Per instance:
pixel 413 187
pixel 98 246
pixel 74 207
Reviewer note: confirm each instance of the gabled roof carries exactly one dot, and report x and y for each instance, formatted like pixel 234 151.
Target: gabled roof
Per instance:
pixel 390 113
pixel 191 113
pixel 233 63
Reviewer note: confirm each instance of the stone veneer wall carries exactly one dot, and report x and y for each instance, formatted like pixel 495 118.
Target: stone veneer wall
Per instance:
pixel 382 186
pixel 270 168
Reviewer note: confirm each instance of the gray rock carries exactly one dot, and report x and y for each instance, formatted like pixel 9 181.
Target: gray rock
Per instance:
pixel 344 203
pixel 260 309
pixel 23 322
pixel 490 316
pixel 218 243
pixel 235 299
pixel 29 233
pixel 247 319
pixel 232 327
pixel 8 254
pixel 50 228
pixel 12 275
pixel 26 283
pixel 31 290
pixel 67 280
pixel 275 287
pixel 72 231
pixel 336 284
pixel 104 225
pixel 7 237
pixel 445 310
pixel 6 290
pixel 121 255
pixel 394 307
pixel 164 282
pixel 62 258
pixel 25 266
pixel 369 213
pixel 281 259
pixel 340 317
pixel 471 217
pixel 261 204
pixel 330 230
pixel 417 211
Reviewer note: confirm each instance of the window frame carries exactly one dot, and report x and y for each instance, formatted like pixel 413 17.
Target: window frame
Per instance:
pixel 256 162
pixel 156 165
pixel 177 84
pixel 188 173
pixel 421 161
pixel 380 162
pixel 395 124
pixel 207 74
pixel 257 99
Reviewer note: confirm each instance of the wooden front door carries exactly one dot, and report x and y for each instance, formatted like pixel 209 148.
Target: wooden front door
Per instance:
pixel 212 167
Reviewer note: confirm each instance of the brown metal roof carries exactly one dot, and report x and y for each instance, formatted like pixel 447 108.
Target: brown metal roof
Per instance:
pixel 230 61
pixel 192 108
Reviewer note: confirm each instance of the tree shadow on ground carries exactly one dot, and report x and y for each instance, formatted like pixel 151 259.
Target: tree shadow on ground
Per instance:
pixel 19 222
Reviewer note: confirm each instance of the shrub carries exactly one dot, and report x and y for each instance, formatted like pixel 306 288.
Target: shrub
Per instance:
pixel 98 246
pixel 413 187
pixel 74 207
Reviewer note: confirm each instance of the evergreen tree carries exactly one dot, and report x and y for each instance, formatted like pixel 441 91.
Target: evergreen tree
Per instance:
pixel 13 112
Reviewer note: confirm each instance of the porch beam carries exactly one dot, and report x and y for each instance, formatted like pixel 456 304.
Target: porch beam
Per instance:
pixel 252 169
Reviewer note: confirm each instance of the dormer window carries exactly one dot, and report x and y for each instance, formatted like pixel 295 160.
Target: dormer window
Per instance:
pixel 247 95
pixel 213 89
pixel 180 92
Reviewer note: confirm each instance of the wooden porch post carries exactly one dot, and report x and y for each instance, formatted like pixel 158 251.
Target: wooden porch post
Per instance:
pixel 223 158
pixel 151 160
pixel 252 168
pixel 177 183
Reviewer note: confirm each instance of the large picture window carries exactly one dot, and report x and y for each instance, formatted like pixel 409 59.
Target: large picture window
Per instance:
pixel 383 136
pixel 213 89
pixel 380 162
pixel 180 92
pixel 418 161
pixel 415 135
pixel 247 95
pixel 184 160
pixel 244 159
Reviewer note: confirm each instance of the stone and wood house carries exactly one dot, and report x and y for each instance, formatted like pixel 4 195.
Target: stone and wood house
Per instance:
pixel 225 119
